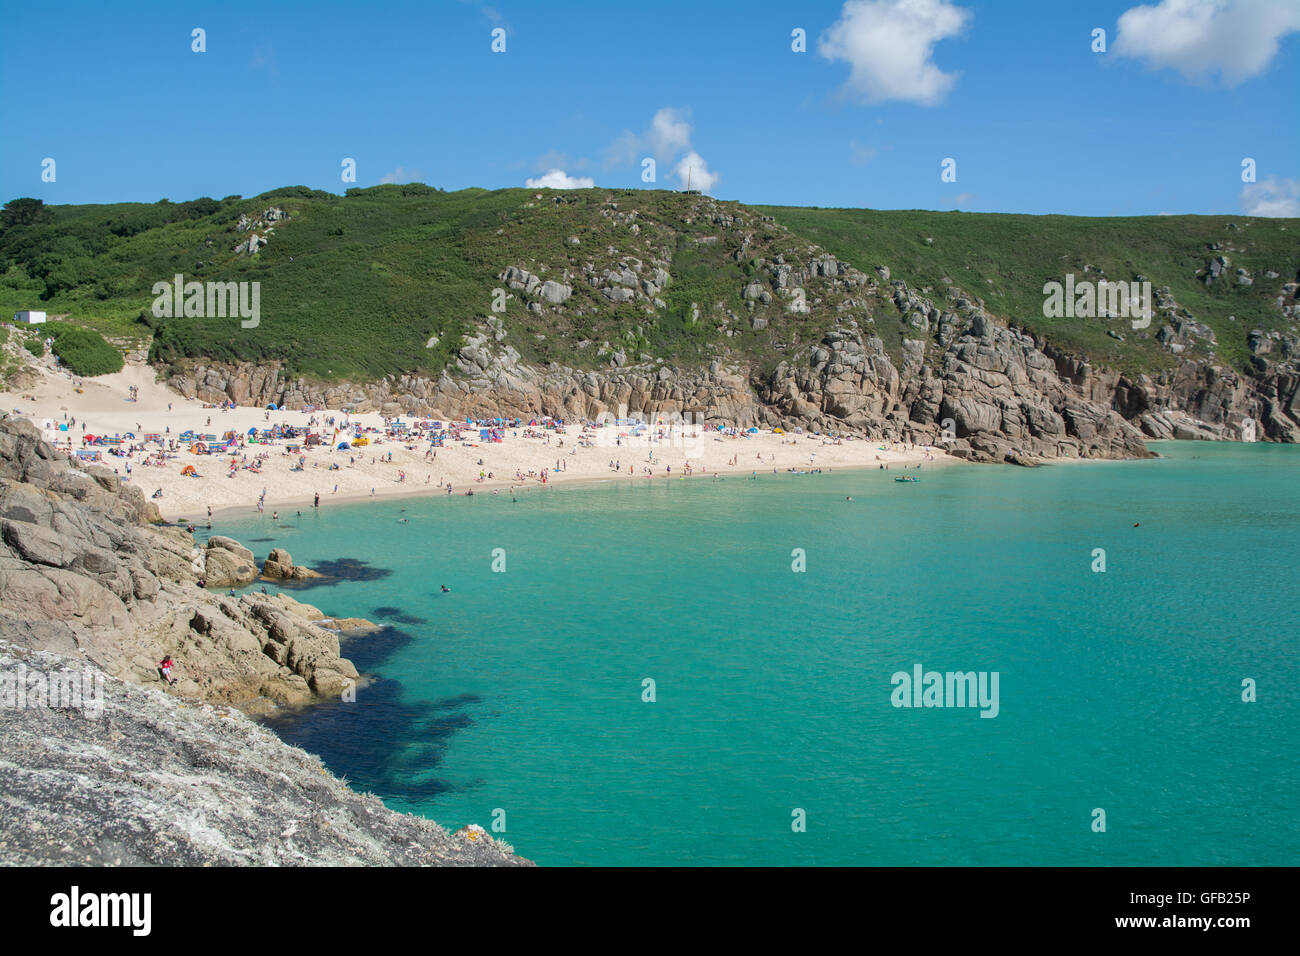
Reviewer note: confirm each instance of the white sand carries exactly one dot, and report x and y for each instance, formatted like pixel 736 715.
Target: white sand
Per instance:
pixel 104 407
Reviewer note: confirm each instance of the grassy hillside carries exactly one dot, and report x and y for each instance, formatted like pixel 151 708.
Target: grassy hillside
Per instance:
pixel 354 287
pixel 1007 259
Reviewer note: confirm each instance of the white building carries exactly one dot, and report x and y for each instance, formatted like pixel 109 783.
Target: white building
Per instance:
pixel 28 317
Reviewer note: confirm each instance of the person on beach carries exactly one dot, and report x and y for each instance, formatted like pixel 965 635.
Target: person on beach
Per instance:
pixel 165 666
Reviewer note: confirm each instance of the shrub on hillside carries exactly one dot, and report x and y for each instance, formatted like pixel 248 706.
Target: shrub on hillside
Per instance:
pixel 85 352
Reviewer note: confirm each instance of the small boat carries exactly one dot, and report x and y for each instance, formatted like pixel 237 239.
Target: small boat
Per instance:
pixel 905 478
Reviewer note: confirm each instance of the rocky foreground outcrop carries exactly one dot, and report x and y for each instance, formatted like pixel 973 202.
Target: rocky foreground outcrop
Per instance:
pixel 133 776
pixel 81 576
pixel 144 772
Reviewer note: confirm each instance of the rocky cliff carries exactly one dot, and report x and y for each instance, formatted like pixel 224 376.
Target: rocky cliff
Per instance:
pixel 684 304
pixel 80 574
pixel 990 392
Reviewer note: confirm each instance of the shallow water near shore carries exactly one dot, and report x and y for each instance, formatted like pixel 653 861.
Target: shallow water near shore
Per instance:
pixel 522 689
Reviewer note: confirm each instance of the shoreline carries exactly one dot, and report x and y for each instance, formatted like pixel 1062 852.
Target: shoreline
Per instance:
pixel 488 487
pixel 228 483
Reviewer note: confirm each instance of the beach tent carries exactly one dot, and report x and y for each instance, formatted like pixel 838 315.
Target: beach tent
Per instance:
pixel 344 446
pixel 753 431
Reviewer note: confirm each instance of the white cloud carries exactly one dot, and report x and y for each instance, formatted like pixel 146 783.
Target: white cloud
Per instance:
pixel 860 155
pixel 693 170
pixel 559 179
pixel 888 45
pixel 401 175
pixel 670 133
pixel 1236 39
pixel 1272 198
pixel 668 136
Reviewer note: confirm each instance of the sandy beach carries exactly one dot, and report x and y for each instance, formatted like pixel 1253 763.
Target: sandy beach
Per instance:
pixel 106 406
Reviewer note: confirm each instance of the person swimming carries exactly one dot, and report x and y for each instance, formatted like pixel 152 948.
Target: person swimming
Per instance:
pixel 445 589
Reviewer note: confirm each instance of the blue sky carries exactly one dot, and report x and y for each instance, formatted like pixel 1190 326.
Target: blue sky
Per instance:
pixel 1010 89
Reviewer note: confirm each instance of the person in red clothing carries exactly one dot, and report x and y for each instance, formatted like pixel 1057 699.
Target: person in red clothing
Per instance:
pixel 165 666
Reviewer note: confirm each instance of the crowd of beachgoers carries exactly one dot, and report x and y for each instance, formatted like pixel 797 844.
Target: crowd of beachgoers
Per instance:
pixel 195 459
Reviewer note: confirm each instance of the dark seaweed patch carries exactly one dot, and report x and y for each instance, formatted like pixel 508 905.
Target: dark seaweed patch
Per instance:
pixel 368 651
pixel 380 743
pixel 340 569
pixel 351 569
pixel 397 615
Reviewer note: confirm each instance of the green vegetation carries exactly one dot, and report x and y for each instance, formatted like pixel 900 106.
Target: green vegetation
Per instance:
pixel 35 347
pixel 354 286
pixel 1007 259
pixel 85 352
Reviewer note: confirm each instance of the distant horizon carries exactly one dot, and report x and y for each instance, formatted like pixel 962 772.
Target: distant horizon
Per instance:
pixel 753 205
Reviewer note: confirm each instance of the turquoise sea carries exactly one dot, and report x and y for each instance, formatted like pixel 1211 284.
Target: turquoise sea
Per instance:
pixel 522 690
